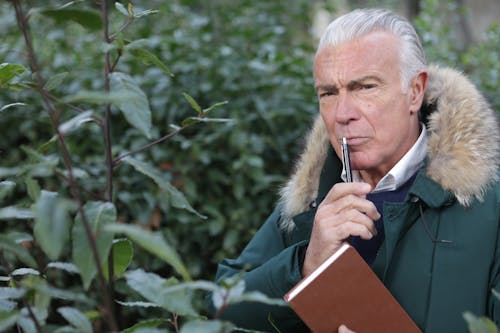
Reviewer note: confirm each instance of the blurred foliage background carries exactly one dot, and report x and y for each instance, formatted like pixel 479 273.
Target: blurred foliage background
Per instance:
pixel 256 55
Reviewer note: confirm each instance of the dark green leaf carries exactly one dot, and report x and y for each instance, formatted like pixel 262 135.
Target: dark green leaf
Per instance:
pixel 7 244
pixel 207 326
pixel 52 223
pixel 152 287
pixel 87 18
pixel 136 108
pixel 99 98
pixel 149 58
pixel 6 188
pixel 13 212
pixel 154 243
pixel 8 319
pixel 33 188
pixel 98 214
pixel 214 107
pixel 123 252
pixel 192 102
pixel 178 199
pixel 76 318
pixel 9 71
pixel 55 81
pixel 151 323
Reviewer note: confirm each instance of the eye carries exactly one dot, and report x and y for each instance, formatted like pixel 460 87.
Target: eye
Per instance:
pixel 327 93
pixel 368 86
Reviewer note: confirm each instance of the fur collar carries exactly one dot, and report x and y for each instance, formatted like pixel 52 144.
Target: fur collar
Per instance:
pixel 463 145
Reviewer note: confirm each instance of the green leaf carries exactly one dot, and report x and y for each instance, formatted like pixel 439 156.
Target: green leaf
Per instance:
pixel 64 266
pixel 7 305
pixel 136 110
pixel 12 293
pixel 7 244
pixel 66 295
pixel 76 122
pixel 193 120
pixel 99 98
pixel 55 81
pixel 9 71
pixel 8 319
pixel 151 323
pixel 479 324
pixel 52 222
pixel 214 107
pixel 14 212
pixel 152 287
pixel 121 8
pixel 154 243
pixel 139 304
pixel 87 18
pixel 8 106
pixel 6 188
pixel 123 252
pixel 99 214
pixel 76 318
pixel 177 199
pixel 25 272
pixel 33 188
pixel 149 58
pixel 207 326
pixel 192 102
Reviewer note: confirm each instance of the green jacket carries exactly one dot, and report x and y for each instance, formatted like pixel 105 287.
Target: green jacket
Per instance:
pixel 441 253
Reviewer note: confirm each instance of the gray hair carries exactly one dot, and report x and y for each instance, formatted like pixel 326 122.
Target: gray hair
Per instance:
pixel 360 22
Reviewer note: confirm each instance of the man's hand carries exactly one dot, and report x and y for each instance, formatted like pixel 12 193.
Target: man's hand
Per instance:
pixel 343 213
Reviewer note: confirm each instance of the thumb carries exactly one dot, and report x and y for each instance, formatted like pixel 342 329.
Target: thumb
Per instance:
pixel 344 329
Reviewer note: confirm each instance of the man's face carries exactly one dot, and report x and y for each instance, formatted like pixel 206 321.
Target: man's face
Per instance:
pixel 361 97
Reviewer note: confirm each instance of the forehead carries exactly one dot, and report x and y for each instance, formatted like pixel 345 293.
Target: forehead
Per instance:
pixel 374 53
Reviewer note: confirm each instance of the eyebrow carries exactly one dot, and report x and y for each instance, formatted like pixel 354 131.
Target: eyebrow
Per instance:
pixel 351 84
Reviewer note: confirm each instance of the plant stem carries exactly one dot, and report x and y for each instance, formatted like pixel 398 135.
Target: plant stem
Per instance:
pixel 74 188
pixel 108 68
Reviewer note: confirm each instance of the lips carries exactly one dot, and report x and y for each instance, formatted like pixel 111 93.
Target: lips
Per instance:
pixel 355 140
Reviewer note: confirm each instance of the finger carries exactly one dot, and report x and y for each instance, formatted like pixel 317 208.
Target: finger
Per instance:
pixel 342 189
pixel 348 229
pixel 344 329
pixel 349 202
pixel 352 216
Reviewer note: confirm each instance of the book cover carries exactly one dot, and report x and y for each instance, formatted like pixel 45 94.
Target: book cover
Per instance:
pixel 345 290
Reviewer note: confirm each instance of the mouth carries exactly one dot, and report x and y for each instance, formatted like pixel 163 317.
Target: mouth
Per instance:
pixel 354 140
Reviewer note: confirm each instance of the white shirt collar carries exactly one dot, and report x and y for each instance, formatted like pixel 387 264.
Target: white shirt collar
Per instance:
pixel 403 170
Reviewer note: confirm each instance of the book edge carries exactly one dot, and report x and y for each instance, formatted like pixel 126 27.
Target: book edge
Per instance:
pixel 308 279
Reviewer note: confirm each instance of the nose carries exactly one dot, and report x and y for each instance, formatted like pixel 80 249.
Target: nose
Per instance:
pixel 345 109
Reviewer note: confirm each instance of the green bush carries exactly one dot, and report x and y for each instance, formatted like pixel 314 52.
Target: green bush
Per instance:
pixel 242 69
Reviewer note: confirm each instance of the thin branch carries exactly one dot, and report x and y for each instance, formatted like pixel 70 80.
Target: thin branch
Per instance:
pixel 124 26
pixel 118 160
pixel 74 188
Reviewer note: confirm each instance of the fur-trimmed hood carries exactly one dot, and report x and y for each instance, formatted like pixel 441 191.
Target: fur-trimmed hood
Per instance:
pixel 463 145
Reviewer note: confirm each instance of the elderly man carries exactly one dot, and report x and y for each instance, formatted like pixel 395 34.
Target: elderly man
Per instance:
pixel 423 209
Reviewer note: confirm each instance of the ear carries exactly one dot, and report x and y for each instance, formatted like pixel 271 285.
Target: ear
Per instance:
pixel 416 90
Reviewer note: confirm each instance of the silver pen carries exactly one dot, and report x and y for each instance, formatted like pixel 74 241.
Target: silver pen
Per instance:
pixel 346 160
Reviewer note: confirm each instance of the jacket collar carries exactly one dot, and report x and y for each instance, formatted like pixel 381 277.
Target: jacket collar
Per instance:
pixel 462 148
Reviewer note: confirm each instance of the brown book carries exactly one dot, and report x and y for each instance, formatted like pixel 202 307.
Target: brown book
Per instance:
pixel 345 290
